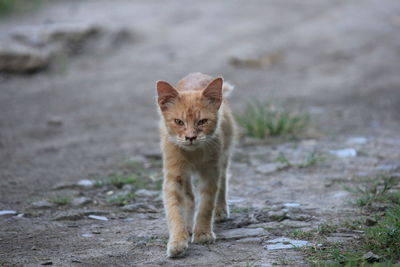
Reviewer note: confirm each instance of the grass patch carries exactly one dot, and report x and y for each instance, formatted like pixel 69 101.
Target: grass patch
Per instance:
pixel 121 200
pixel 311 159
pixel 241 209
pixel 382 239
pixel 300 234
pixel 8 7
pixel 60 200
pixel 376 190
pixel 260 120
pixel 119 181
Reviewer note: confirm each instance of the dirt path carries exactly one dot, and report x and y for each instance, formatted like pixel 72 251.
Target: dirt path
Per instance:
pixel 93 115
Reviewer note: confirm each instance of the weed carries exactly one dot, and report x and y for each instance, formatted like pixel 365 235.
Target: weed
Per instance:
pixel 382 239
pixel 121 200
pixel 260 120
pixel 251 264
pixel 312 159
pixel 300 234
pixel 60 200
pixel 283 159
pixel 240 209
pixel 376 190
pixel 119 181
pixel 8 7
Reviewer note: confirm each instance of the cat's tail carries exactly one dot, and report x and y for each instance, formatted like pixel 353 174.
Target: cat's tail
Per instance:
pixel 227 89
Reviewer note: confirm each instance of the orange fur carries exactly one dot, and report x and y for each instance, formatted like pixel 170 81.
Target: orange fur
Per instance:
pixel 197 132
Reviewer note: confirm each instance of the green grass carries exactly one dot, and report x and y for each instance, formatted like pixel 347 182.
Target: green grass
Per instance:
pixel 300 234
pixel 260 120
pixel 283 159
pixel 376 190
pixel 120 180
pixel 382 239
pixel 60 200
pixel 122 200
pixel 311 159
pixel 241 209
pixel 8 7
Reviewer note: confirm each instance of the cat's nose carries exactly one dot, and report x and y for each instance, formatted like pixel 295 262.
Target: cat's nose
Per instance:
pixel 191 138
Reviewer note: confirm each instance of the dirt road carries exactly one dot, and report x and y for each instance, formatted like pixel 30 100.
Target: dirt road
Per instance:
pixel 86 115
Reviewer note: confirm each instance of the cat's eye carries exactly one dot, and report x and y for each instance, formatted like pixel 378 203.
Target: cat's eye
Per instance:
pixel 179 122
pixel 203 121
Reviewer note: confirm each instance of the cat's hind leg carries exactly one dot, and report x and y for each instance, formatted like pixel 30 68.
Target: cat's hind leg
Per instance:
pixel 189 205
pixel 222 208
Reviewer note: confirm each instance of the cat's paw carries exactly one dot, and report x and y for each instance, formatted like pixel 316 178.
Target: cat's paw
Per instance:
pixel 221 214
pixel 176 248
pixel 203 238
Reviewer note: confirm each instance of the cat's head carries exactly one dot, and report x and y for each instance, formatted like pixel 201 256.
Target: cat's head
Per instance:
pixel 190 117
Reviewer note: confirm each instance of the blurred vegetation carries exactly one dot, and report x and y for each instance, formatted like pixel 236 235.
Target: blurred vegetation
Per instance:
pixel 8 7
pixel 379 231
pixel 260 120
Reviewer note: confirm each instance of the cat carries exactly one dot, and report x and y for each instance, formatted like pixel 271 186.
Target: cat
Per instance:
pixel 197 135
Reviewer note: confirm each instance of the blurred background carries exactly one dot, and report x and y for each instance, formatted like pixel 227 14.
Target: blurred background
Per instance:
pixel 77 78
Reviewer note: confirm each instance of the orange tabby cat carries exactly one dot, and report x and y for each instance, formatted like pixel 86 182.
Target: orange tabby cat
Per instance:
pixel 197 132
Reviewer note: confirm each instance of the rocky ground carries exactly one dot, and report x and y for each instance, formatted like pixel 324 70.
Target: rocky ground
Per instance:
pixel 80 165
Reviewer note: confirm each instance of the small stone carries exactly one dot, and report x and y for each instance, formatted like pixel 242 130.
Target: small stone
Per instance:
pixel 80 201
pixel 43 204
pixel 279 215
pixel 356 140
pixel 7 212
pixel 17 58
pixel 127 187
pixel 370 222
pixel 61 186
pixel 256 240
pixel 47 263
pixel 344 153
pixel 371 257
pixel 299 217
pixel 55 121
pixel 285 243
pixel 242 233
pixel 387 167
pixel 146 193
pixel 96 217
pixel 85 183
pixel 291 205
pixel 140 207
pixel 86 235
pixel 338 239
pixel 270 167
pixel 69 216
pixel 294 224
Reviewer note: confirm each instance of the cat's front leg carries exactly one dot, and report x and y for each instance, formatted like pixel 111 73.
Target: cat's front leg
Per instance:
pixel 173 193
pixel 208 186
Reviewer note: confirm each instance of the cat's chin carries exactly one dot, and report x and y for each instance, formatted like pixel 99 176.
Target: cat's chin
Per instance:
pixel 190 147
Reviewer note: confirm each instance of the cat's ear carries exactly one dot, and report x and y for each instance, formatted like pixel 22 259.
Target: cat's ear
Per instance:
pixel 166 94
pixel 213 92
